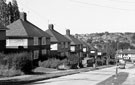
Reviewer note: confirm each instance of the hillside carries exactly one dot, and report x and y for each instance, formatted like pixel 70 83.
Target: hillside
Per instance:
pixel 106 37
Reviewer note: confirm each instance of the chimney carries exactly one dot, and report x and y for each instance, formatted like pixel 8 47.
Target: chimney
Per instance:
pixel 23 16
pixel 51 26
pixel 76 36
pixel 67 32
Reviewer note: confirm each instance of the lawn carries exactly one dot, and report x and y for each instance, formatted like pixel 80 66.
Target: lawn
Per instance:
pixel 122 76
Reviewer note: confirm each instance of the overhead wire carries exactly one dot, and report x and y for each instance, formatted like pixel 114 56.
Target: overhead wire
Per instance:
pixel 98 5
pixel 123 1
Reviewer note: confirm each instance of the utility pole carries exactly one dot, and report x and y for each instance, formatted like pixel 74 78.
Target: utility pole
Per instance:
pixel 116 59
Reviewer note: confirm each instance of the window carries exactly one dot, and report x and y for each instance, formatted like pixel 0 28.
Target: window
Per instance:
pixel 36 54
pixel 72 48
pixel 47 40
pixel 84 49
pixel 44 41
pixel 16 42
pixel 66 45
pixel 36 41
pixel 54 46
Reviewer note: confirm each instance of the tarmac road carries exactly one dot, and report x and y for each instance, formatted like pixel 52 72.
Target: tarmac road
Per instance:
pixel 84 78
pixel 89 78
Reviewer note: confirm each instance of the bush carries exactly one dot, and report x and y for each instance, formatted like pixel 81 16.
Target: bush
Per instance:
pixel 15 64
pixel 73 61
pixel 6 72
pixel 50 63
pixel 21 61
pixel 53 63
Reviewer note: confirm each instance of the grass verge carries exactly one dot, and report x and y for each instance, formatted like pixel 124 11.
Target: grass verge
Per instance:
pixel 122 76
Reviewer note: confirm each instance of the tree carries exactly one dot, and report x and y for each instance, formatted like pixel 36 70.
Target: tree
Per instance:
pixel 123 45
pixel 4 19
pixel 8 12
pixel 14 13
pixel 110 51
pixel 15 10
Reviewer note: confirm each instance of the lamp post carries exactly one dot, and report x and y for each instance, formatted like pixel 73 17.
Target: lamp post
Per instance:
pixel 116 59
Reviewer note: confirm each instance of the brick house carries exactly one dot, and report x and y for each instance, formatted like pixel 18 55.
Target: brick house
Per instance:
pixel 25 36
pixel 76 47
pixel 2 37
pixel 86 49
pixel 60 45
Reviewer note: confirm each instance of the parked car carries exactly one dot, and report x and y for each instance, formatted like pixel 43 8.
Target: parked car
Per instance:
pixel 122 63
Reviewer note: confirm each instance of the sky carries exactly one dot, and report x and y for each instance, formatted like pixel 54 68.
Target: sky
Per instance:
pixel 81 16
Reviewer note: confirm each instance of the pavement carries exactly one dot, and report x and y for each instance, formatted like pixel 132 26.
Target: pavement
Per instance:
pixel 83 78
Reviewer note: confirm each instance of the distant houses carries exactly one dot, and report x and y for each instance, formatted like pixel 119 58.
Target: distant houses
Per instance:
pixel 127 54
pixel 60 45
pixel 25 36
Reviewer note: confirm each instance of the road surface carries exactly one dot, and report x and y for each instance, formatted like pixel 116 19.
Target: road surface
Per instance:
pixel 83 78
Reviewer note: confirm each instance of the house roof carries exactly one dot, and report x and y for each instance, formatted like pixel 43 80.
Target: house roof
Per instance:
pixel 74 41
pixel 126 51
pixel 2 27
pixel 91 47
pixel 84 43
pixel 56 36
pixel 21 28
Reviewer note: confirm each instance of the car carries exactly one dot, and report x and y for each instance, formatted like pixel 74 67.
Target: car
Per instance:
pixel 122 64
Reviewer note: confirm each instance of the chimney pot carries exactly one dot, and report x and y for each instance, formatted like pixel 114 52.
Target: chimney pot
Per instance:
pixel 67 32
pixel 51 26
pixel 23 16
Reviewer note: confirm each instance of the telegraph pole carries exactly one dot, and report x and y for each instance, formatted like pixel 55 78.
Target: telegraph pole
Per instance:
pixel 116 59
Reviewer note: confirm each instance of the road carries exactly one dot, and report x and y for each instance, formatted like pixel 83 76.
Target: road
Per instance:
pixel 83 78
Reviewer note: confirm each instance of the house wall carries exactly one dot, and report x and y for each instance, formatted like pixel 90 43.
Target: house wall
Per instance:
pixel 2 34
pixel 2 40
pixel 64 48
pixel 45 41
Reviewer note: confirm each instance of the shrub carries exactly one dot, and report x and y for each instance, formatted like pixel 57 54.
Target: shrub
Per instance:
pixel 50 63
pixel 6 72
pixel 15 64
pixel 73 60
pixel 20 61
pixel 53 63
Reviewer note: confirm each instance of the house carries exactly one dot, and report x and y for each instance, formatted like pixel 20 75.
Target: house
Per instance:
pixel 76 47
pixel 86 48
pixel 60 45
pixel 25 36
pixel 126 54
pixel 2 37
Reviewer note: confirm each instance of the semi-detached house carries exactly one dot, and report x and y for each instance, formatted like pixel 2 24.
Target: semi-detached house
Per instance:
pixel 60 45
pixel 76 47
pixel 25 36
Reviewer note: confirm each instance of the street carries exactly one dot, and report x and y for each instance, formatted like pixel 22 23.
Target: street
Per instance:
pixel 85 78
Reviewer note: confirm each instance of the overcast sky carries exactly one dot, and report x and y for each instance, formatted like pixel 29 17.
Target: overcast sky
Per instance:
pixel 81 16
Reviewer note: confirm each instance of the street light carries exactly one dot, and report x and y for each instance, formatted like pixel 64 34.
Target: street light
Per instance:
pixel 116 59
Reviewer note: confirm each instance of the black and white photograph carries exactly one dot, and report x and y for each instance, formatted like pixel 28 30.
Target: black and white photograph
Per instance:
pixel 67 42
